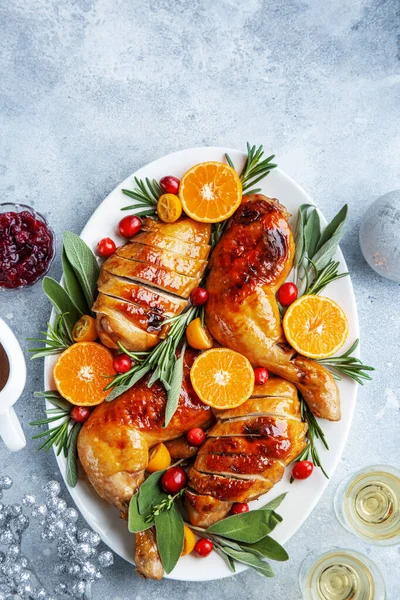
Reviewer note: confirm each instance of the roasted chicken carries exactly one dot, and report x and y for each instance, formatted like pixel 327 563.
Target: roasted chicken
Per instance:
pixel 149 280
pixel 114 444
pixel 246 452
pixel 250 262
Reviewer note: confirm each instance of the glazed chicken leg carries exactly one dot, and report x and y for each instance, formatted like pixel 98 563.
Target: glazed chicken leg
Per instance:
pixel 114 444
pixel 246 452
pixel 249 264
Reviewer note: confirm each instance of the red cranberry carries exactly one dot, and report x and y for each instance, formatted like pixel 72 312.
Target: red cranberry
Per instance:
pixel 239 507
pixel 260 375
pixel 196 436
pixel 106 247
pixel 174 480
pixel 170 184
pixel 198 296
pixel 122 363
pixel 129 226
pixel 287 293
pixel 203 547
pixel 80 414
pixel 302 469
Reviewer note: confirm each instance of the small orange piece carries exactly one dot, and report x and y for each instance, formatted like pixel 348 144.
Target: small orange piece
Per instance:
pixel 315 326
pixel 79 373
pixel 159 458
pixel 189 541
pixel 85 330
pixel 169 208
pixel 198 336
pixel 210 192
pixel 222 378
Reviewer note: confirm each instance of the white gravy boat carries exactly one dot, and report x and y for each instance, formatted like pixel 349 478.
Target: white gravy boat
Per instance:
pixel 10 428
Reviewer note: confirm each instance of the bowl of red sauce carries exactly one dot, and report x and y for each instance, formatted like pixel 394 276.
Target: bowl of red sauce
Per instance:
pixel 27 246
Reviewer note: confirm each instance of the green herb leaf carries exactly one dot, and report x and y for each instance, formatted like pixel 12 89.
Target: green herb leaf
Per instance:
pixel 84 264
pixel 121 388
pixel 299 235
pixel 72 285
pixel 333 227
pixel 55 398
pixel 275 503
pixel 72 467
pixel 175 389
pixel 312 232
pixel 330 239
pixel 248 558
pixel 61 301
pixel 169 535
pixel 269 548
pixel 136 521
pixel 247 527
pixel 149 492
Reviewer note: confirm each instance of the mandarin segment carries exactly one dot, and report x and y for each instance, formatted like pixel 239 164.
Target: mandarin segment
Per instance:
pixel 222 378
pixel 315 326
pixel 81 373
pixel 210 192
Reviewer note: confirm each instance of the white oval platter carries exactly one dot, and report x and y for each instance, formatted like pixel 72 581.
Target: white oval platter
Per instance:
pixel 302 495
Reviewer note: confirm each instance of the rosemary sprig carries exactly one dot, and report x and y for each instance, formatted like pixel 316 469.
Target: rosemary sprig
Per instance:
pixel 165 504
pixel 255 168
pixel 324 277
pixel 314 435
pixel 146 194
pixel 63 435
pixel 56 339
pixel 346 364
pixel 161 360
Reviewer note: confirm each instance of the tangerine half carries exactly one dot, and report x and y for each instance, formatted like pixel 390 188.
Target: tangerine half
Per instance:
pixel 210 192
pixel 80 371
pixel 222 378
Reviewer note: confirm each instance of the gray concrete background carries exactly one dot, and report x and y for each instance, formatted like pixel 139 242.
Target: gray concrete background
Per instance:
pixel 93 89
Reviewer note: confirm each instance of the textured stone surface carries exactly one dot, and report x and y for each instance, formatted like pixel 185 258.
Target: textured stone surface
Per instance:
pixel 92 90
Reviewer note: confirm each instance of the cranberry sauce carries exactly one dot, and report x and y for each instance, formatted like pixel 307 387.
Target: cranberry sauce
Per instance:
pixel 26 248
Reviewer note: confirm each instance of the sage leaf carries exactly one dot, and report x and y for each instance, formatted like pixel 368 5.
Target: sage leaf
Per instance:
pixel 175 389
pixel 275 503
pixel 61 302
pixel 248 558
pixel 169 535
pixel 72 285
pixel 55 398
pixel 227 559
pixel 247 527
pixel 299 235
pixel 136 521
pixel 336 223
pixel 83 263
pixel 72 466
pixel 312 232
pixel 150 492
pixel 269 548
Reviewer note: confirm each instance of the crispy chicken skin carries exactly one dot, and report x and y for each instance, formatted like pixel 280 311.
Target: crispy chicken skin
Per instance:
pixel 114 443
pixel 147 558
pixel 249 264
pixel 245 453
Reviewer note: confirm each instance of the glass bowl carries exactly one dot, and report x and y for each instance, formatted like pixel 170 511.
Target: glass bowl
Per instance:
pixel 7 207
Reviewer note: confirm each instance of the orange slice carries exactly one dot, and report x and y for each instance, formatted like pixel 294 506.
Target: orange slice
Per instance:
pixel 222 378
pixel 189 541
pixel 210 192
pixel 159 458
pixel 79 373
pixel 315 326
pixel 85 330
pixel 169 208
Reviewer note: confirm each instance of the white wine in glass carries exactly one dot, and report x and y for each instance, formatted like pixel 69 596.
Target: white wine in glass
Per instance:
pixel 340 575
pixel 368 504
